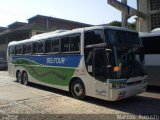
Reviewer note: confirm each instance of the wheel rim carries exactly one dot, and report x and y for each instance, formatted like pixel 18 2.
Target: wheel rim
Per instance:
pixel 78 90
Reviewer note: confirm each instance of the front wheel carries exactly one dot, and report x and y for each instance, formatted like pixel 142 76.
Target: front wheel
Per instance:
pixel 78 89
pixel 25 78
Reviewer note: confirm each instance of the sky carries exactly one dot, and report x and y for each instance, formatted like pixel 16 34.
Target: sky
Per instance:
pixel 86 11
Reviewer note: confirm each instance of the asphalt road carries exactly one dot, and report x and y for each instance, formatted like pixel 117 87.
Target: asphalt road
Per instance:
pixel 39 102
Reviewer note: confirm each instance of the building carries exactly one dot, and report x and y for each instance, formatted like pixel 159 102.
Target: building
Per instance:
pixel 152 10
pixel 36 25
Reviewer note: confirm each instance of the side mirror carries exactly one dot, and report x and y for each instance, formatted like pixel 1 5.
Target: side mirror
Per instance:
pixel 108 55
pixel 109 62
pixel 108 50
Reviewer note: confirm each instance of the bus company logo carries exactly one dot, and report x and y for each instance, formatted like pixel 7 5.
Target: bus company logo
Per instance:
pixel 55 60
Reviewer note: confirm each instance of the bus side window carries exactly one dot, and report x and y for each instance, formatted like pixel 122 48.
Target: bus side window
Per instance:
pixel 27 48
pixel 75 43
pixel 48 46
pixel 149 42
pixel 94 37
pixel 18 50
pixel 55 45
pixel 40 47
pixel 11 50
pixel 65 44
pixel 35 47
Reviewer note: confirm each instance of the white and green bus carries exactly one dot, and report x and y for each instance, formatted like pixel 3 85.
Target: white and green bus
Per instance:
pixel 99 61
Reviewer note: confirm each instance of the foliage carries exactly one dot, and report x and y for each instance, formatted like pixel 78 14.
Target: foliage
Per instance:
pixel 119 24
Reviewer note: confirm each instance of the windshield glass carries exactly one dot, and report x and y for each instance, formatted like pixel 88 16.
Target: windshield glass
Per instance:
pixel 117 37
pixel 127 52
pixel 130 62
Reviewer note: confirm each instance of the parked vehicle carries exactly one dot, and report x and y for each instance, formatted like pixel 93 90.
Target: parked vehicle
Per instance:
pixel 151 43
pixel 100 61
pixel 3 64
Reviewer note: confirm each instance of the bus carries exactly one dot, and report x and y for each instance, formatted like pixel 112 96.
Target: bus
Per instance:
pixel 99 61
pixel 151 43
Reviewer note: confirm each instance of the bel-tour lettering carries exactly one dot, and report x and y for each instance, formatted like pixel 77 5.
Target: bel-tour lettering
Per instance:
pixel 55 60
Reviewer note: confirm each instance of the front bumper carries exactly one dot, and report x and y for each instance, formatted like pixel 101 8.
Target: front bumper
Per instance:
pixel 121 93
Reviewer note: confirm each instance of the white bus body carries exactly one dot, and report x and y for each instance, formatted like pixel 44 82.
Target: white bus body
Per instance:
pixel 89 61
pixel 151 43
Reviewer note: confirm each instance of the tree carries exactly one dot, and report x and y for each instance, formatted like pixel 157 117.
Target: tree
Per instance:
pixel 132 25
pixel 119 24
pixel 115 23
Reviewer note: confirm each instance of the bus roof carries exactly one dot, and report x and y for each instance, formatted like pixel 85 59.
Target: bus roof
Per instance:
pixel 149 34
pixel 59 33
pixel 109 27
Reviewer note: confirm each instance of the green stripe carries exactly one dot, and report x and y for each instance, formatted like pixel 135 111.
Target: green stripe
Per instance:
pixel 47 74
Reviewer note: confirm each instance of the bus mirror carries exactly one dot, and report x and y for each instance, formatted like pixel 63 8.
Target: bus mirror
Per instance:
pixel 108 50
pixel 108 55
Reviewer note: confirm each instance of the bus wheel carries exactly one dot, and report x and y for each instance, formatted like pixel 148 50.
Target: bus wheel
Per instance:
pixel 19 77
pixel 78 89
pixel 25 78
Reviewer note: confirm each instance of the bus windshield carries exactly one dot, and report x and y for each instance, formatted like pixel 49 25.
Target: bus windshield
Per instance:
pixel 130 62
pixel 127 51
pixel 117 37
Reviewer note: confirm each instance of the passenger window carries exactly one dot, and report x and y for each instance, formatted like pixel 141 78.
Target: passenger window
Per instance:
pixel 65 44
pixel 75 43
pixel 151 45
pixel 18 49
pixel 48 46
pixel 35 47
pixel 55 45
pixel 27 48
pixel 11 50
pixel 93 37
pixel 38 47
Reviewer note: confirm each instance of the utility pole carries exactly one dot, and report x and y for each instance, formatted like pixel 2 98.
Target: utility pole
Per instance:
pixel 124 16
pixel 126 10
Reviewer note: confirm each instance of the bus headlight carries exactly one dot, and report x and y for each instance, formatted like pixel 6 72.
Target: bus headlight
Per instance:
pixel 118 85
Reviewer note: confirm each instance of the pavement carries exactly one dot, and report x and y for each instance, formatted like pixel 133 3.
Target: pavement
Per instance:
pixel 37 102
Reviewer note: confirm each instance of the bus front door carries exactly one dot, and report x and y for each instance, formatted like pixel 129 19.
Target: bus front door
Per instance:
pixel 99 72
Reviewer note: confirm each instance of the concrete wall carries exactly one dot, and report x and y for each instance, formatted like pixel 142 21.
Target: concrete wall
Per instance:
pixel 143 25
pixel 151 9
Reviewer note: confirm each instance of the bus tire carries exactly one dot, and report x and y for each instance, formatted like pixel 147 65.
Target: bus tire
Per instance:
pixel 25 78
pixel 19 77
pixel 78 89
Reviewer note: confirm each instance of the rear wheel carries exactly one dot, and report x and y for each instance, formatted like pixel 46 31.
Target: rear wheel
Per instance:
pixel 19 77
pixel 78 89
pixel 25 78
